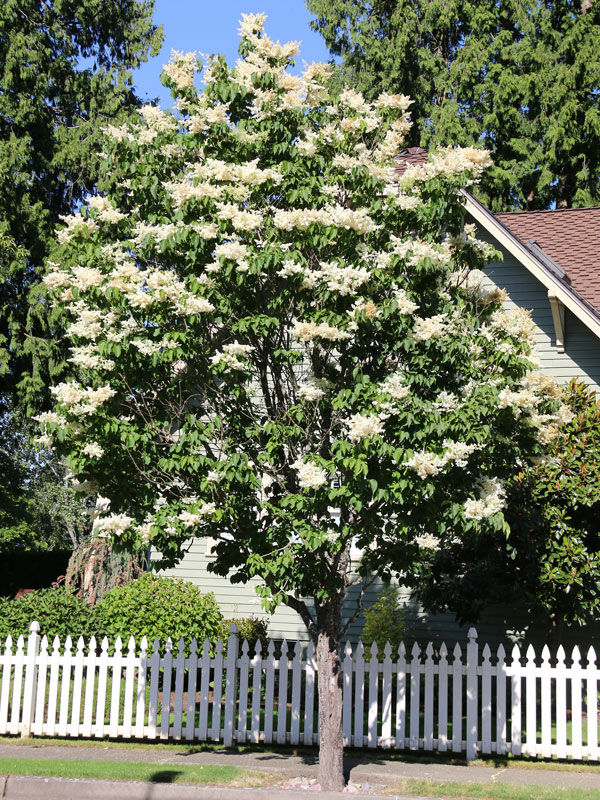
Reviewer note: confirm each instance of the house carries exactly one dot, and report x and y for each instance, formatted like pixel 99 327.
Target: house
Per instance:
pixel 550 265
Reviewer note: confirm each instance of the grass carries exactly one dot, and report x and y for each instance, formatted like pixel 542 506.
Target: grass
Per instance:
pixel 127 771
pixel 494 791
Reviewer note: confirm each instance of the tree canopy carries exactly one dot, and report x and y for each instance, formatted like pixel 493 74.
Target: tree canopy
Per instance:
pixel 276 347
pixel 64 75
pixel 521 78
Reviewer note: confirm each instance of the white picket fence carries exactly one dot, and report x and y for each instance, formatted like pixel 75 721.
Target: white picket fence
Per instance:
pixel 546 707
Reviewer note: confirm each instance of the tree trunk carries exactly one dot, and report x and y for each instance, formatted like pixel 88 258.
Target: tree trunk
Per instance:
pixel 329 664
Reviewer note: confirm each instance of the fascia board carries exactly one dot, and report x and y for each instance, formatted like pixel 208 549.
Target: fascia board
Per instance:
pixel 554 286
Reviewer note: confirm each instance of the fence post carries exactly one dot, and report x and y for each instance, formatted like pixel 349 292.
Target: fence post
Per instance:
pixel 33 649
pixel 472 694
pixel 230 684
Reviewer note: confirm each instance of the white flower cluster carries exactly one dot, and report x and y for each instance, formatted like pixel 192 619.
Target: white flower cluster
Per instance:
pixel 405 305
pixel 241 219
pixel 394 385
pixel 427 541
pixel 51 418
pixel 519 401
pixel 252 27
pixel 363 426
pixel 310 476
pixel 338 278
pixel 337 216
pixel 307 331
pixel 80 400
pixel 87 357
pixel 104 210
pixel 190 518
pixel 230 355
pixel 312 389
pixel 426 464
pixel 114 525
pixel 180 69
pixel 430 328
pixel 516 322
pixel 416 250
pixel 491 499
pixel 93 450
pixel 75 223
pixel 448 161
pixel 446 401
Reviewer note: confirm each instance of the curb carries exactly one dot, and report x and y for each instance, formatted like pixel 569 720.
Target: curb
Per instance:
pixel 21 787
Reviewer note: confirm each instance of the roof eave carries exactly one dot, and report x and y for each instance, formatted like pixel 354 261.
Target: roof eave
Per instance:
pixel 568 296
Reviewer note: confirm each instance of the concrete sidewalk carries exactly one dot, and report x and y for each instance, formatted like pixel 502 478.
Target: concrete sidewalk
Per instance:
pixel 372 769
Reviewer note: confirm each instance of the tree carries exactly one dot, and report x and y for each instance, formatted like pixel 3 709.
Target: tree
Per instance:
pixel 266 330
pixel 64 74
pixel 550 561
pixel 520 78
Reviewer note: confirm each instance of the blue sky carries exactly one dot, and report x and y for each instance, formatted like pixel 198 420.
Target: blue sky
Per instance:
pixel 210 26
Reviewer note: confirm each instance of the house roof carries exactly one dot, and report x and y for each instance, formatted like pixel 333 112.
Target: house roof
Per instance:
pixel 570 237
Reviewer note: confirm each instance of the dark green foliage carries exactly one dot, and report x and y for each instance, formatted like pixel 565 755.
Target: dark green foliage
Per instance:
pixel 52 111
pixel 551 558
pixel 384 622
pixel 250 628
pixel 58 612
pixel 522 78
pixel 155 606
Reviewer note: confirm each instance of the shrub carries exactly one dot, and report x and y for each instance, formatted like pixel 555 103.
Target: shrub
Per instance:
pixel 155 606
pixel 384 622
pixel 58 612
pixel 249 628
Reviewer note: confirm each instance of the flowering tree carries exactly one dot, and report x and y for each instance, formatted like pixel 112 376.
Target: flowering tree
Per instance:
pixel 266 330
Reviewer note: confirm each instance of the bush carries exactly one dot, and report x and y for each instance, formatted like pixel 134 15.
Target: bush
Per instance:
pixel 249 628
pixel 155 606
pixel 58 612
pixel 384 622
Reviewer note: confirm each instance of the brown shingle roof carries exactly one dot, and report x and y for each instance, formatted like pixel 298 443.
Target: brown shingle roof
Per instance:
pixel 410 157
pixel 570 236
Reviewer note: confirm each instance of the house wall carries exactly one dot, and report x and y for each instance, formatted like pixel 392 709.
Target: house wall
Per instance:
pixel 499 624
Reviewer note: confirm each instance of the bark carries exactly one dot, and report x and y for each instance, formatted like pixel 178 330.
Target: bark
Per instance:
pixel 329 664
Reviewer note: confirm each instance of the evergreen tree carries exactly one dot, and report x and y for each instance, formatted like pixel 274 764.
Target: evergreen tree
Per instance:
pixel 64 74
pixel 521 78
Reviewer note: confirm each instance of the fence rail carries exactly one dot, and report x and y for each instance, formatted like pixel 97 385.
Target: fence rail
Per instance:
pixel 427 700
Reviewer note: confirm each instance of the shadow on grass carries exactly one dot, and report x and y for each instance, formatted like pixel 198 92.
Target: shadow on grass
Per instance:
pixel 165 776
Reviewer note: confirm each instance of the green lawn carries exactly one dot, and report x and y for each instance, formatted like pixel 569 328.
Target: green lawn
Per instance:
pixel 495 791
pixel 128 771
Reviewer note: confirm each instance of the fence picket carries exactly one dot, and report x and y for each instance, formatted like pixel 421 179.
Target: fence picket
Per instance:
pixel 65 688
pixel 591 705
pixel 40 699
pixel 443 670
pixel 546 703
pixel 269 692
pixel 359 695
pixel 19 663
pixel 296 694
pixel 282 694
pixel 400 698
pixel 7 659
pixel 373 668
pixel 516 705
pixel 472 694
pixel 115 688
pixel 428 716
pixel 309 694
pixel 130 661
pixel 178 700
pixel 101 696
pixel 457 699
pixel 415 696
pixel 530 704
pixel 243 693
pixel 486 701
pixel 192 674
pixel 501 700
pixel 215 730
pixel 33 646
pixel 576 705
pixel 90 685
pixel 165 711
pixel 347 665
pixel 78 665
pixel 205 663
pixel 256 686
pixel 230 683
pixel 140 706
pixel 386 698
pixel 155 660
